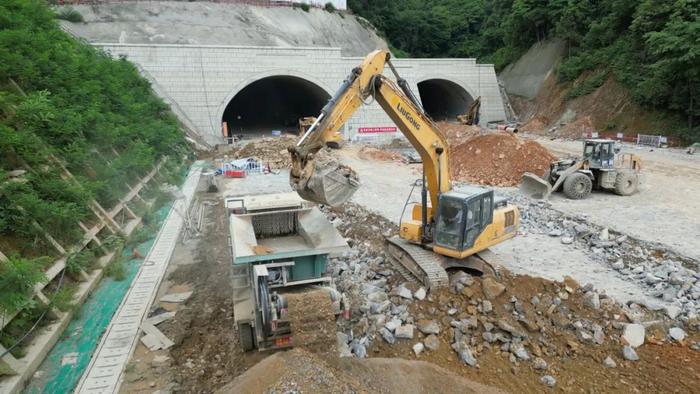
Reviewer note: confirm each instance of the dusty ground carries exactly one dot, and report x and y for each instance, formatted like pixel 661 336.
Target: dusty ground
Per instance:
pixel 278 373
pixel 207 357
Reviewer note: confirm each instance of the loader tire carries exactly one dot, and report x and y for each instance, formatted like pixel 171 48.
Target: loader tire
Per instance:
pixel 577 186
pixel 626 183
pixel 245 334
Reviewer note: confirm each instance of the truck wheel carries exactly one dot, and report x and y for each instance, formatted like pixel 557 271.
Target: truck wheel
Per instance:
pixel 245 333
pixel 626 183
pixel 577 186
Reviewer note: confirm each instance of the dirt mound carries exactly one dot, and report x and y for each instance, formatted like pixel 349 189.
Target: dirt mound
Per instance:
pixel 457 133
pixel 498 159
pixel 300 371
pixel 369 152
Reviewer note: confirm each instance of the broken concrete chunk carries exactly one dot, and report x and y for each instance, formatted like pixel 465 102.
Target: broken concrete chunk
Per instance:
pixel 157 319
pixel 432 342
pixel 428 326
pixel 591 300
pixel 629 354
pixel 419 294
pixel 505 326
pixel 418 348
pixel 609 362
pixel 404 293
pixel 539 364
pixel 387 335
pixel 176 297
pixel 548 380
pixel 634 335
pixel 393 324
pixel 404 332
pixel 491 288
pixel 465 353
pixel 677 334
pixel 520 352
pixel 673 311
pixel 154 339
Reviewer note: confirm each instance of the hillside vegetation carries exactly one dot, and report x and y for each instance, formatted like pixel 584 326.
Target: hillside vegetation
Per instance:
pixel 63 103
pixel 651 46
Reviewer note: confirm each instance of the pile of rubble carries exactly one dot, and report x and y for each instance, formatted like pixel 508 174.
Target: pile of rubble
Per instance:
pixel 668 276
pixel 497 159
pixel 272 151
pixel 522 320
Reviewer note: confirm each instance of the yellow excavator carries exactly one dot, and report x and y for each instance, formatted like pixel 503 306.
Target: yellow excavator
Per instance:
pixel 451 227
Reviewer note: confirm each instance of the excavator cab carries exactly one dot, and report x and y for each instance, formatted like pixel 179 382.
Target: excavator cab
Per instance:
pixel 461 218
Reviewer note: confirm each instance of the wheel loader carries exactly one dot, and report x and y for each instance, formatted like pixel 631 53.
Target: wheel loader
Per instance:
pixel 451 227
pixel 601 167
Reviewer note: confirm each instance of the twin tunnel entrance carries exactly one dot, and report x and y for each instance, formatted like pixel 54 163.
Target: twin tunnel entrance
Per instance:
pixel 278 102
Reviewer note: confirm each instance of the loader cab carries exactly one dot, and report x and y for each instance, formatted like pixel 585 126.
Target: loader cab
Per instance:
pixel 462 216
pixel 599 153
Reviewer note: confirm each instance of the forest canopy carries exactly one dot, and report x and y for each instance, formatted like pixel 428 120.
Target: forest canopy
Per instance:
pixel 651 46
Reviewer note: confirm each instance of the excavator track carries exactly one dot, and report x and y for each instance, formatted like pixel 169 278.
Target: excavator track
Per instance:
pixel 430 269
pixel 424 265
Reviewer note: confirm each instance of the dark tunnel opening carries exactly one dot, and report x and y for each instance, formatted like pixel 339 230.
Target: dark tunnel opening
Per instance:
pixel 273 103
pixel 443 99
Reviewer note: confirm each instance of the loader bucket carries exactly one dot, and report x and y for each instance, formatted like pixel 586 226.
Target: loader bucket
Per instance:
pixel 535 187
pixel 330 184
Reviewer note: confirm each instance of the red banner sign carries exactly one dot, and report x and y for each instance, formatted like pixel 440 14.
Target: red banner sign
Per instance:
pixel 372 130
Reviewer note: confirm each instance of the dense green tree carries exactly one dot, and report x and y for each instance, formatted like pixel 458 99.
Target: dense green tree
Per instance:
pixel 650 46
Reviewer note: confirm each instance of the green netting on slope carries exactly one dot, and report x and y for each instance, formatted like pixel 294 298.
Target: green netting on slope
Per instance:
pixel 67 360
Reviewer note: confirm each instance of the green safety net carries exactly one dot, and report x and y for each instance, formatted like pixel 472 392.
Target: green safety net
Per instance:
pixel 64 365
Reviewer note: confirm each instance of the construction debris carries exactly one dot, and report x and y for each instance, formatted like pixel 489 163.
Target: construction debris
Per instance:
pixel 272 151
pixel 159 318
pixel 154 339
pixel 176 297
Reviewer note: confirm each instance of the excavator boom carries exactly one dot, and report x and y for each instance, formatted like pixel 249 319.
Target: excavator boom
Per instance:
pixel 332 183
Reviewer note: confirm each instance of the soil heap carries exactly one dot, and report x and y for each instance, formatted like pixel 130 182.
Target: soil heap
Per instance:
pixel 497 159
pixel 300 371
pixel 458 133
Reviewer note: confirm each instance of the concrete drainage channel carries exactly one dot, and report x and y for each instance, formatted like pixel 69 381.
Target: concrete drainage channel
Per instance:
pixel 72 357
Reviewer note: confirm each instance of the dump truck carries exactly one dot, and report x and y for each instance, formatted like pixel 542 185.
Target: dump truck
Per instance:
pixel 601 167
pixel 280 247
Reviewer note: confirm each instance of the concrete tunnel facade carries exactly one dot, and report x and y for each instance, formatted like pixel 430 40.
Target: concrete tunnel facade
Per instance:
pixel 206 85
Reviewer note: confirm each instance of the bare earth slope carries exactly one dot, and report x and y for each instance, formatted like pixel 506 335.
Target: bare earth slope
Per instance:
pixel 204 23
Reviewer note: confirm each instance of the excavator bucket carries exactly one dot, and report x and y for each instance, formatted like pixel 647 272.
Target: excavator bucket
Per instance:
pixel 535 187
pixel 330 183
